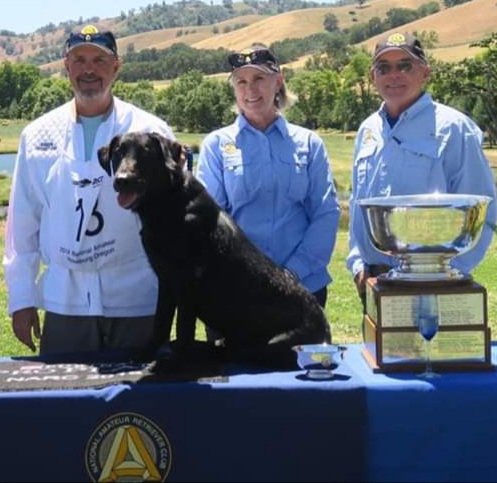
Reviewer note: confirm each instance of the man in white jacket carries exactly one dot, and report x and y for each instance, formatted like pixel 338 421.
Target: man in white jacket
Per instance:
pixel 96 285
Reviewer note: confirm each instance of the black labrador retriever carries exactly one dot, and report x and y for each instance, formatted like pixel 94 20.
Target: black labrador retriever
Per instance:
pixel 207 268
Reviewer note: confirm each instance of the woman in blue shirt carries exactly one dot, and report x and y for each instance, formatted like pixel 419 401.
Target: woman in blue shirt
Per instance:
pixel 273 177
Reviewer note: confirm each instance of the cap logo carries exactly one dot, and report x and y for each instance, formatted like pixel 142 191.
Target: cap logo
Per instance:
pixel 396 40
pixel 89 30
pixel 92 36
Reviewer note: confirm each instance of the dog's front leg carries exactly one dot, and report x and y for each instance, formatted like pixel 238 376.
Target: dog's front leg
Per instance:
pixel 158 346
pixel 164 314
pixel 185 329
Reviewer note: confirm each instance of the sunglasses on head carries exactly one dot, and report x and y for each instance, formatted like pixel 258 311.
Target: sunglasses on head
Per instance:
pixel 401 66
pixel 103 39
pixel 256 57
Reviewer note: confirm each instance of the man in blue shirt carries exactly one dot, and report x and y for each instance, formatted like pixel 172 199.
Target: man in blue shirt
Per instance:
pixel 412 145
pixel 273 177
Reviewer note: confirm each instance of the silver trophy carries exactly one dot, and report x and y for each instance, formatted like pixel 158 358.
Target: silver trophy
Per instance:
pixel 425 232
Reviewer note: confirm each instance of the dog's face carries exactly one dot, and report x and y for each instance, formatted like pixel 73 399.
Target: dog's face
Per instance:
pixel 141 164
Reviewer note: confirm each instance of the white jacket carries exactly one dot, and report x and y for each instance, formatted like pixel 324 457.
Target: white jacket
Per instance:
pixel 63 212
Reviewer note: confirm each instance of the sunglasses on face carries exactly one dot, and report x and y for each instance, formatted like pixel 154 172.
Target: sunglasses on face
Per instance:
pixel 103 39
pixel 383 68
pixel 257 57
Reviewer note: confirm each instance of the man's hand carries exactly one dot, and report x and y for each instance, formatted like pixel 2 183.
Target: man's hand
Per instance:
pixel 360 282
pixel 25 324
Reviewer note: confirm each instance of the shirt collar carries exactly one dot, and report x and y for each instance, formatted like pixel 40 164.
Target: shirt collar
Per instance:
pixel 424 100
pixel 74 114
pixel 279 124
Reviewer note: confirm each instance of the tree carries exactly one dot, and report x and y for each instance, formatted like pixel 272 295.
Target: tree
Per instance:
pixel 330 22
pixel 428 9
pixel 338 50
pixel 122 90
pixel 7 84
pixel 45 95
pixel 315 91
pixel 473 79
pixel 400 16
pixel 375 26
pixel 428 39
pixel 355 99
pixel 195 104
pixel 453 3
pixel 142 95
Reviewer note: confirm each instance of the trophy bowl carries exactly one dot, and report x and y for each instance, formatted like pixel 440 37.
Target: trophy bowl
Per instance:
pixel 425 232
pixel 319 360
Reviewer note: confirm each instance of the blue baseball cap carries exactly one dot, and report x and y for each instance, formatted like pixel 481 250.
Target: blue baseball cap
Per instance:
pixel 400 41
pixel 90 35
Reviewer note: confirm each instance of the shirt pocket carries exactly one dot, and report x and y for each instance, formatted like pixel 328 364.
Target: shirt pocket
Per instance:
pixel 235 172
pixel 295 177
pixel 419 159
pixel 363 164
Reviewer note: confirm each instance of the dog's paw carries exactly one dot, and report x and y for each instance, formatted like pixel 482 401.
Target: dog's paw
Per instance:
pixel 165 366
pixel 163 352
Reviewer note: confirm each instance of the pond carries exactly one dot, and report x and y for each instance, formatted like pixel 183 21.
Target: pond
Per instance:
pixel 7 162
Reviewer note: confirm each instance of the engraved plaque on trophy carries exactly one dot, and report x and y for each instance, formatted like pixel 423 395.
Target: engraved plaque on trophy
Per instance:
pixel 424 233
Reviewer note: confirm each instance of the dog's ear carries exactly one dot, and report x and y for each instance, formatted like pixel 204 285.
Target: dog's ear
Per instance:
pixel 103 158
pixel 105 154
pixel 169 147
pixel 177 153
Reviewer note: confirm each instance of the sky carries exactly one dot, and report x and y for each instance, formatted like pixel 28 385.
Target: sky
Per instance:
pixel 25 16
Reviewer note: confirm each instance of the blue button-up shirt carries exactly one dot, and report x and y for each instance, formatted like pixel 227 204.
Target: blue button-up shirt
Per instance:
pixel 432 147
pixel 278 186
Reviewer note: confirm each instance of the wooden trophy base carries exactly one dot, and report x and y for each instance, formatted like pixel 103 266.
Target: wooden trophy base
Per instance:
pixel 393 343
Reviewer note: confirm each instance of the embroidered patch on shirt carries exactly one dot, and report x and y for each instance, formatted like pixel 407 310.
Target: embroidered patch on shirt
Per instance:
pixel 83 183
pixel 368 136
pixel 230 148
pixel 46 146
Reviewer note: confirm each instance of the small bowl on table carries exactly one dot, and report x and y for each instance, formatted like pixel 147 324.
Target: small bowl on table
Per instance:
pixel 319 360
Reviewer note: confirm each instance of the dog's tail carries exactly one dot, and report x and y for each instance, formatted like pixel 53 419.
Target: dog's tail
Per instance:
pixel 316 331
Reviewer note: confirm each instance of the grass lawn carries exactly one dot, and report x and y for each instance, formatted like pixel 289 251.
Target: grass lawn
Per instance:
pixel 343 307
pixel 9 135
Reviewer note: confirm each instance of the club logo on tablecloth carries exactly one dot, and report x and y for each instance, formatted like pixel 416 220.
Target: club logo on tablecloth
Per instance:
pixel 128 447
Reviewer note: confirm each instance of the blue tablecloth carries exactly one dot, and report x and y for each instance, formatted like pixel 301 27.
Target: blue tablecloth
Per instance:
pixel 255 427
pixel 441 429
pixel 276 426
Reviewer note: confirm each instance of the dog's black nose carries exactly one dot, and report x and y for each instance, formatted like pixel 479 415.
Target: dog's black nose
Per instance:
pixel 123 184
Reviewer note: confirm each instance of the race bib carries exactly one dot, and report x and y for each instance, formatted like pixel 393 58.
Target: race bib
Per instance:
pixel 87 228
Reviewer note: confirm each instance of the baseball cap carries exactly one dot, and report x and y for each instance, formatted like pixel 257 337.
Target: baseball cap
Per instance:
pixel 259 58
pixel 400 41
pixel 90 35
